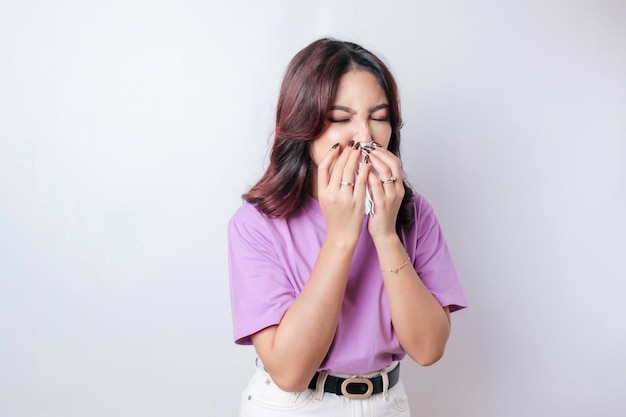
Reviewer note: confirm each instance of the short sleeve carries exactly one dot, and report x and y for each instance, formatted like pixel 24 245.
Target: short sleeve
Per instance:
pixel 432 259
pixel 260 290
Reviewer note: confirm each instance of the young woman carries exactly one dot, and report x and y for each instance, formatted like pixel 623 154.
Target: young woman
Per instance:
pixel 338 268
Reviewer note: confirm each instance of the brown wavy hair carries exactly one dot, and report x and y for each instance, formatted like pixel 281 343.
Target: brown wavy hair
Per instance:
pixel 306 95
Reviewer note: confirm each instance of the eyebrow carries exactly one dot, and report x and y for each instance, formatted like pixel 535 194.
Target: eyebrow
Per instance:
pixel 372 110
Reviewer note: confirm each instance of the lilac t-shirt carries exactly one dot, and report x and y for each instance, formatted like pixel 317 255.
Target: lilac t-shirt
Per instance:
pixel 271 259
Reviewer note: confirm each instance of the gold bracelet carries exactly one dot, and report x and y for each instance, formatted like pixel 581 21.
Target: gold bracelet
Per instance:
pixel 396 270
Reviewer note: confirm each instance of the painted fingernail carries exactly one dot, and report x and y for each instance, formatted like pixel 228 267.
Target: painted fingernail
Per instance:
pixel 366 159
pixel 336 145
pixel 351 144
pixel 357 146
pixel 377 144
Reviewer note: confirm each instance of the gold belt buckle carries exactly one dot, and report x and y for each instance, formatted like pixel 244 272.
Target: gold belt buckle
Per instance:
pixel 348 381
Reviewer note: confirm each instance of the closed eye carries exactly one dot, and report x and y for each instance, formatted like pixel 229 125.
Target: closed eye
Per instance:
pixel 380 113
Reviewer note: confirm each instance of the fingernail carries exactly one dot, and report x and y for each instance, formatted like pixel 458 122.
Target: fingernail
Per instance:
pixel 377 144
pixel 351 144
pixel 366 159
pixel 335 145
pixel 357 146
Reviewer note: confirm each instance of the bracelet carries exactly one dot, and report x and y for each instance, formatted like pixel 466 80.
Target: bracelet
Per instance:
pixel 396 270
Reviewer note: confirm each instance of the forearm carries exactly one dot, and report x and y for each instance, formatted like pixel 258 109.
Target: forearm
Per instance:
pixel 294 350
pixel 421 324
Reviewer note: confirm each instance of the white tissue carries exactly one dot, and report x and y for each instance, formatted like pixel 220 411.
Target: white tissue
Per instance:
pixel 369 202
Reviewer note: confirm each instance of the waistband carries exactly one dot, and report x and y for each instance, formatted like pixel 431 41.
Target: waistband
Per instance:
pixel 358 387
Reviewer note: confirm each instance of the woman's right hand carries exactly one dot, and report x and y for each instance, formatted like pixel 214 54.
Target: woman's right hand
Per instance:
pixel 294 349
pixel 343 205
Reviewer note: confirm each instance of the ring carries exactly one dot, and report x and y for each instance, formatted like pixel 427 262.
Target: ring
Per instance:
pixel 346 183
pixel 390 180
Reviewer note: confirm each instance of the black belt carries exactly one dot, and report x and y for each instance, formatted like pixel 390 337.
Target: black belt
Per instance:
pixel 356 387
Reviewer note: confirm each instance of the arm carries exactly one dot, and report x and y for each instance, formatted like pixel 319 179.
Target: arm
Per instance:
pixel 421 323
pixel 294 349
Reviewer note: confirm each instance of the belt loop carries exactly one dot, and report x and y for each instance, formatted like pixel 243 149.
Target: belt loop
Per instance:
pixel 319 388
pixel 385 377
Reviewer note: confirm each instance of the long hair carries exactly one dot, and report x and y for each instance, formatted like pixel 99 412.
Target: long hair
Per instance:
pixel 307 93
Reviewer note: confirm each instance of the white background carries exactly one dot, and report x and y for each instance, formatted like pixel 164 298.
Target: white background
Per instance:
pixel 129 130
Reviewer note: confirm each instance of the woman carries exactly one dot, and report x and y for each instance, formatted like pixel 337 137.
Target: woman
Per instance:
pixel 332 296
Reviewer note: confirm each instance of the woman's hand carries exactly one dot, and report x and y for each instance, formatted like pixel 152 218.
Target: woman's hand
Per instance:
pixel 341 193
pixel 387 192
pixel 294 349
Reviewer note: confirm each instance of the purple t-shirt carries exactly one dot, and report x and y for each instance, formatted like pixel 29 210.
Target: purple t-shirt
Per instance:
pixel 271 259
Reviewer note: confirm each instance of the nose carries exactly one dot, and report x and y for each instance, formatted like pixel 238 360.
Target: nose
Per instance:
pixel 362 132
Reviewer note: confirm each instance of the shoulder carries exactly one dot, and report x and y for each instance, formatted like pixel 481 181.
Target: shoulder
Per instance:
pixel 247 212
pixel 422 208
pixel 424 222
pixel 249 219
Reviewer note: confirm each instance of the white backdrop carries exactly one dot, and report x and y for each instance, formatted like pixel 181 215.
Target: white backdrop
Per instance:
pixel 129 129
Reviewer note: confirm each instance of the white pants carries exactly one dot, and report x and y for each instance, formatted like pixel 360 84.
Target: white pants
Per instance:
pixel 262 398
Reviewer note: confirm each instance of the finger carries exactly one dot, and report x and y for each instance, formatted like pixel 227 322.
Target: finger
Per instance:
pixel 351 166
pixel 325 166
pixel 386 165
pixel 376 187
pixel 383 171
pixel 388 158
pixel 337 174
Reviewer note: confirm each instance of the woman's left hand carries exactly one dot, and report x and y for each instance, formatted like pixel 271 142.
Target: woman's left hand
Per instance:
pixel 387 193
